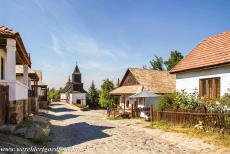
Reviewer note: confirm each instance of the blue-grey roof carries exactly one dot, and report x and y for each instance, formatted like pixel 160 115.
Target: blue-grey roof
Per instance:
pixel 144 94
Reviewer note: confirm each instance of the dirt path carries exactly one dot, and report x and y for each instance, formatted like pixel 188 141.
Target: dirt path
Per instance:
pixel 89 132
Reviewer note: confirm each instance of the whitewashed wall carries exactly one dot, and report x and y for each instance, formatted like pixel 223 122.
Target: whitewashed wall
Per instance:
pixel 75 96
pixel 190 81
pixel 21 91
pixel 17 90
pixel 148 102
pixel 63 96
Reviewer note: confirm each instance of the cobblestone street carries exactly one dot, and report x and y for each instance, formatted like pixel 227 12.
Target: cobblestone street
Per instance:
pixel 89 132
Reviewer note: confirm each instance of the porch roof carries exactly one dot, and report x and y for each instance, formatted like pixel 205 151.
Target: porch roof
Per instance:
pixel 31 73
pixel 144 94
pixel 127 90
pixel 5 32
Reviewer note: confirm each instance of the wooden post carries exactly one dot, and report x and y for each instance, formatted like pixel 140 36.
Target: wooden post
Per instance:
pixel 132 111
pixel 124 103
pixel 151 113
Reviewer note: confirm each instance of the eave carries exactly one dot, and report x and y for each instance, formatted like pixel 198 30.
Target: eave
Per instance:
pixel 201 68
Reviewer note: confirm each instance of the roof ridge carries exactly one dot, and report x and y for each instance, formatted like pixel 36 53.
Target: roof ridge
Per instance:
pixel 206 45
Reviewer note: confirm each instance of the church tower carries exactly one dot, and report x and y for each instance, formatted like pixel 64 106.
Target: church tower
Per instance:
pixel 73 92
pixel 76 80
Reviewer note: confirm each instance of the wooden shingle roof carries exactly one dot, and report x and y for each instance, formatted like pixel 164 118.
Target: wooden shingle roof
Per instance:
pixel 155 81
pixel 149 80
pixel 210 52
pixel 127 90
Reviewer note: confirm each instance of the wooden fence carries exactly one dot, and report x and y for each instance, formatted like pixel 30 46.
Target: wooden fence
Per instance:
pixel 4 101
pixel 210 121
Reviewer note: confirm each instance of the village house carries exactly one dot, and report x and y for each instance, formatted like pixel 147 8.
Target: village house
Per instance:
pixel 73 91
pixel 143 87
pixel 206 68
pixel 14 93
pixel 42 90
pixel 33 90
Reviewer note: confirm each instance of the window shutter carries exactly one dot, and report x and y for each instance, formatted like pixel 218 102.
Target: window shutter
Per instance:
pixel 200 88
pixel 217 87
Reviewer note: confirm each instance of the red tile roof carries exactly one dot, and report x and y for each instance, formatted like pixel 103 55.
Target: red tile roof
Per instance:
pixel 212 51
pixel 5 32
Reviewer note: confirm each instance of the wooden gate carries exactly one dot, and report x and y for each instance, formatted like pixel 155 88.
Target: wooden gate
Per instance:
pixel 4 99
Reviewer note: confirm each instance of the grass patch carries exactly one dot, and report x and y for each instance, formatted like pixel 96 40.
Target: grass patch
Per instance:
pixel 49 108
pixel 82 107
pixel 115 118
pixel 41 137
pixel 218 138
pixel 23 124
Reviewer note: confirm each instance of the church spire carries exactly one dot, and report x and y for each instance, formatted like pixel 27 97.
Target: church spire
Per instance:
pixel 76 70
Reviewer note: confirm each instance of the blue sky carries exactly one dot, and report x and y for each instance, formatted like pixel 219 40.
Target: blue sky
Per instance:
pixel 106 37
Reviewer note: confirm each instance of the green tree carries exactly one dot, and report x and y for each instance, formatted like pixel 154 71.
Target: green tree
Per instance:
pixel 54 94
pixel 92 96
pixel 175 57
pixel 157 63
pixel 104 98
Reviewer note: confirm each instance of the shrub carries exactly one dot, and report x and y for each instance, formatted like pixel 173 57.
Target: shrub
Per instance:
pixel 180 100
pixel 167 101
pixel 187 102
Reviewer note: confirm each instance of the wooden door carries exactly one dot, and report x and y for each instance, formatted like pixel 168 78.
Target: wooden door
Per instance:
pixel 4 99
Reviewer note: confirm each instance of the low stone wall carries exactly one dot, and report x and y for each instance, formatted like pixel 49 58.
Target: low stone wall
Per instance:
pixel 33 102
pixel 43 104
pixel 17 111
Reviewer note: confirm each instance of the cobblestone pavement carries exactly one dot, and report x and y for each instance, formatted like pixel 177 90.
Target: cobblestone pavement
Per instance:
pixel 89 132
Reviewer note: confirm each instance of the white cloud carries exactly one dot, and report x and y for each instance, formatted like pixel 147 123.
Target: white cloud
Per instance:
pixel 99 66
pixel 86 45
pixel 39 5
pixel 56 45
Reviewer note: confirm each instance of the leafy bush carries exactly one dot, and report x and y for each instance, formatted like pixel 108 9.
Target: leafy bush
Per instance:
pixel 167 101
pixel 187 102
pixel 180 100
pixel 192 102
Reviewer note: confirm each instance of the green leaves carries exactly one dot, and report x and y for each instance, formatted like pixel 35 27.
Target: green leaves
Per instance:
pixel 159 64
pixel 54 94
pixel 104 98
pixel 92 97
pixel 175 57
pixel 180 100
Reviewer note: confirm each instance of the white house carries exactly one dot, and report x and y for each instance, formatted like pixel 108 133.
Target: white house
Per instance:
pixel 74 91
pixel 33 79
pixel 12 53
pixel 42 90
pixel 206 68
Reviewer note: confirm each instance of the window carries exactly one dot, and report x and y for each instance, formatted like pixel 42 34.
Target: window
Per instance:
pixel 210 88
pixel 2 69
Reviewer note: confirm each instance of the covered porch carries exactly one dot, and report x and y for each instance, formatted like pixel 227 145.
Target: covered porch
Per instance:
pixel 123 94
pixel 131 99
